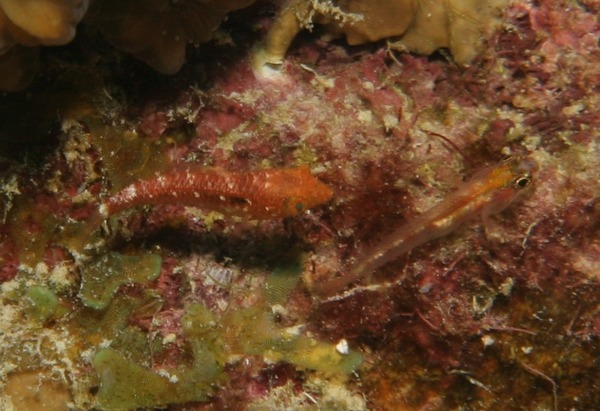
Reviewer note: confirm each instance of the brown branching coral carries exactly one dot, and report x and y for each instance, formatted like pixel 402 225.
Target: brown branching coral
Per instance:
pixel 420 26
pixel 17 67
pixel 40 22
pixel 155 31
pixel 458 25
pixel 33 23
pixel 360 21
pixel 158 31
pixel 374 20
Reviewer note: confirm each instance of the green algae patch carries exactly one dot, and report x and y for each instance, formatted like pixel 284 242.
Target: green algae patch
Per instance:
pixel 112 323
pixel 256 332
pixel 253 331
pixel 41 303
pixel 101 279
pixel 283 280
pixel 126 155
pixel 126 382
pixel 31 224
pixel 126 385
pixel 309 353
pixel 213 339
pixel 205 337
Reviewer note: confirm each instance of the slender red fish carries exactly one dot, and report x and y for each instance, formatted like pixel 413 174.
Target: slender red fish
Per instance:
pixel 262 194
pixel 489 191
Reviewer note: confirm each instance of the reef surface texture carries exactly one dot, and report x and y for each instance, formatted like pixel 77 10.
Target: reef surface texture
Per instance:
pixel 171 306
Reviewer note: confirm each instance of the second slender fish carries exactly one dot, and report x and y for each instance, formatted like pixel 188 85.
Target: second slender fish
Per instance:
pixel 489 191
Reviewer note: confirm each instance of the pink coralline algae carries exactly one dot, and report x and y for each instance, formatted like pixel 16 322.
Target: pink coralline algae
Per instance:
pixel 498 314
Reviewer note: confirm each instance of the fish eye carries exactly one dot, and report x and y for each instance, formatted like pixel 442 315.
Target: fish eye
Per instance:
pixel 299 207
pixel 522 181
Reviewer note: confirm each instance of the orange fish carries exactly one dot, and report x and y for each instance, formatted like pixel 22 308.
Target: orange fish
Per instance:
pixel 262 194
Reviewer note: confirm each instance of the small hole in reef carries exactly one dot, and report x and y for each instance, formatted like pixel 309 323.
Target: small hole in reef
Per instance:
pixel 518 74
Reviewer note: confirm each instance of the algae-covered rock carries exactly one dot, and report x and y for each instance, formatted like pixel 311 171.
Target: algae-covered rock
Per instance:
pixel 101 279
pixel 42 303
pixel 283 280
pixel 308 353
pixel 35 390
pixel 254 331
pixel 204 336
pixel 213 339
pixel 258 334
pixel 125 385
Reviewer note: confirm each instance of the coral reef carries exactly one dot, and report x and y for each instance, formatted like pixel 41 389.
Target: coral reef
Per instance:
pixel 155 32
pixel 101 279
pixel 219 311
pixel 41 22
pixel 458 25
pixel 421 26
pixel 33 23
pixel 158 31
